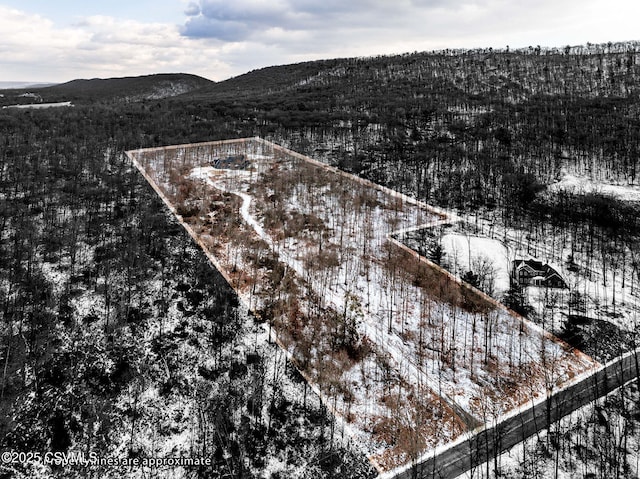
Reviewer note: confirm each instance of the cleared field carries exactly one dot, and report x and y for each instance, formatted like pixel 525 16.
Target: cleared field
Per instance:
pixel 407 357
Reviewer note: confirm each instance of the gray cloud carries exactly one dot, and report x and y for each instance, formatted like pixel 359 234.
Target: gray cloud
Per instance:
pixel 208 20
pixel 285 31
pixel 192 10
pixel 205 27
pixel 234 21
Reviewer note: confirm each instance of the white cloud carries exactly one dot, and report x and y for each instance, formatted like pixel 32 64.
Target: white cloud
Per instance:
pixel 23 34
pixel 33 48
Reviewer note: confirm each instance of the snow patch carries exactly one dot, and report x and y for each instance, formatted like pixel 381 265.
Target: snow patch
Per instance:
pixel 584 185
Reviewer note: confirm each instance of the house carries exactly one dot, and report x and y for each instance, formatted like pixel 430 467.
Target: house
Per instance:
pixel 531 272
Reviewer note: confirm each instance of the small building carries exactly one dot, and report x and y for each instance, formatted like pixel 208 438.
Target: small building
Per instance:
pixel 530 272
pixel 232 162
pixel 35 96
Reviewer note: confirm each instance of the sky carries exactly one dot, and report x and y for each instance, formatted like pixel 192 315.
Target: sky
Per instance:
pixel 61 40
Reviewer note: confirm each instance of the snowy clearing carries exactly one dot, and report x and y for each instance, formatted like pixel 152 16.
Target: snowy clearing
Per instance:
pixel 583 185
pixel 481 255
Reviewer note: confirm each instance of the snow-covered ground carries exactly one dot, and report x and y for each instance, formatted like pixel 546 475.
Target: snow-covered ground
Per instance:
pixel 439 357
pixel 596 440
pixel 37 106
pixel 481 255
pixel 603 288
pixel 583 185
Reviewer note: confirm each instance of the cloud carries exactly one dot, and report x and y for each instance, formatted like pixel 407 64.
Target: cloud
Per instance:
pixel 311 29
pixel 248 18
pixel 222 38
pixel 232 21
pixel 363 27
pixel 33 48
pixel 226 31
pixel 192 10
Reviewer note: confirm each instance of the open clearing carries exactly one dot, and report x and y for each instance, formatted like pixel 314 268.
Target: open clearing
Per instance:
pixel 408 358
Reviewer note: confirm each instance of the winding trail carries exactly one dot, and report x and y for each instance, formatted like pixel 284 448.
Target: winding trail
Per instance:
pixel 390 343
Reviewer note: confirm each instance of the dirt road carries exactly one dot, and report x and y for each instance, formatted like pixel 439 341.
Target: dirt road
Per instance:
pixel 486 442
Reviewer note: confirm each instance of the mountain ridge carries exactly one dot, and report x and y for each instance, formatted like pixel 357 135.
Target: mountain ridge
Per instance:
pixel 144 87
pixel 117 89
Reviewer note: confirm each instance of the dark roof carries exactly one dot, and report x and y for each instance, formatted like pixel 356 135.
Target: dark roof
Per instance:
pixel 541 269
pixel 535 264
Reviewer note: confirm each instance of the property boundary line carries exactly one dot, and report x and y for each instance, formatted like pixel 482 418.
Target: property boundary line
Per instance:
pixel 444 217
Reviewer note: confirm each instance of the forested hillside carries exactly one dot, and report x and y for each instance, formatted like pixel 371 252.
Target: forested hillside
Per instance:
pixel 116 336
pixel 495 135
pixel 118 90
pixel 503 115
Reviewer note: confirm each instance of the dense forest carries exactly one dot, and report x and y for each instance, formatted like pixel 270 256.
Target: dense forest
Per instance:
pixel 117 337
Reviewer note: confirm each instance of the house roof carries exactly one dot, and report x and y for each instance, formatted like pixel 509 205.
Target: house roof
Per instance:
pixel 526 266
pixel 532 263
pixel 542 271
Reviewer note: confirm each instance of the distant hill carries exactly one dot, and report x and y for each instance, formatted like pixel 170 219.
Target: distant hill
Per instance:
pixel 6 85
pixel 413 78
pixel 127 89
pixel 415 92
pixel 269 79
pixel 513 111
pixel 148 87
